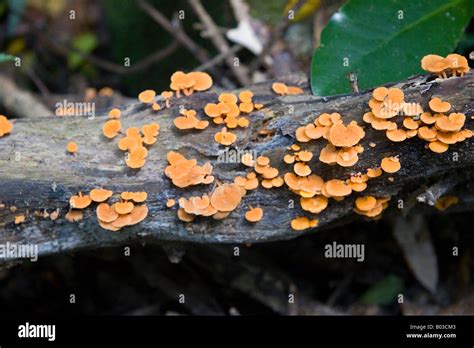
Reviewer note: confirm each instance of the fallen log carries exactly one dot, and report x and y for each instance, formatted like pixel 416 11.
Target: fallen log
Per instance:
pixel 36 173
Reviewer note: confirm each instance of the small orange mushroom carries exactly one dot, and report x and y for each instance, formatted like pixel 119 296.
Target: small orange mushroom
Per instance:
pixel 106 213
pixel 390 164
pixel 5 126
pixel 254 214
pixel 123 207
pixel 147 96
pixel 74 215
pixel 115 113
pixel 71 147
pixel 111 128
pixel 80 201
pixel 100 195
pixel 224 137
pixel 437 105
pixel 279 88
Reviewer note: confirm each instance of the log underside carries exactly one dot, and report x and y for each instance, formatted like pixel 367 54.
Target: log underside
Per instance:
pixel 36 173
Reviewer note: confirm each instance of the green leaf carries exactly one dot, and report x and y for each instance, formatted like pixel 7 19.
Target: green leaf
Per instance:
pixel 384 40
pixel 84 43
pixel 6 57
pixel 384 292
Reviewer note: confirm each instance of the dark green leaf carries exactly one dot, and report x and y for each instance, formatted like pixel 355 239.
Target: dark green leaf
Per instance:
pixel 383 41
pixel 384 292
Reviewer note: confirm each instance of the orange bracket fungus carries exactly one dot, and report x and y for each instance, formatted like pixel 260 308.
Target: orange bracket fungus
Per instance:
pixel 184 172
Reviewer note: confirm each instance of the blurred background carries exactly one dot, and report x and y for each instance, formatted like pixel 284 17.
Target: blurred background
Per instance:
pixel 108 51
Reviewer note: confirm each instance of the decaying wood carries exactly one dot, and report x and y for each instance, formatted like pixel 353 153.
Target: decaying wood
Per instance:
pixel 37 174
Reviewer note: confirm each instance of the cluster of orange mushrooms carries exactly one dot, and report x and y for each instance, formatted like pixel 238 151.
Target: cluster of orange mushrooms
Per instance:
pixel 453 64
pixel 389 112
pixel 123 212
pixel 402 120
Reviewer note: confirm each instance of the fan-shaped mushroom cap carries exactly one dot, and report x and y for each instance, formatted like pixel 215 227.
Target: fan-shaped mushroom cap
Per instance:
pixel 340 135
pixel 5 126
pixel 254 215
pixel 111 128
pixel 301 136
pixel 115 113
pixel 314 204
pixel 226 197
pixel 74 215
pixel 108 226
pixel 365 203
pixel 374 172
pixel 147 96
pixel 202 80
pixel 279 88
pixel 304 156
pixel 313 132
pixel 302 169
pixel 380 93
pixel 396 135
pixel 337 188
pixel 138 214
pixel 246 96
pixel 432 63
pixel 458 63
pixel 183 216
pixel 328 154
pixel 302 223
pixel 347 157
pixel 437 105
pixel 100 195
pixel 438 146
pixel 270 173
pixel 80 201
pixel 263 161
pixel 106 213
pixel 427 133
pixel 224 137
pixel 390 164
pixel 123 207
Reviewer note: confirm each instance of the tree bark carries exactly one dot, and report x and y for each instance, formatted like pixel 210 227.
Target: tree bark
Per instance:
pixel 37 174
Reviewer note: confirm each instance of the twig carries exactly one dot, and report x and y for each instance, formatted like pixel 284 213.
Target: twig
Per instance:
pixel 217 59
pixel 178 33
pixel 19 102
pixel 219 41
pixel 38 83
